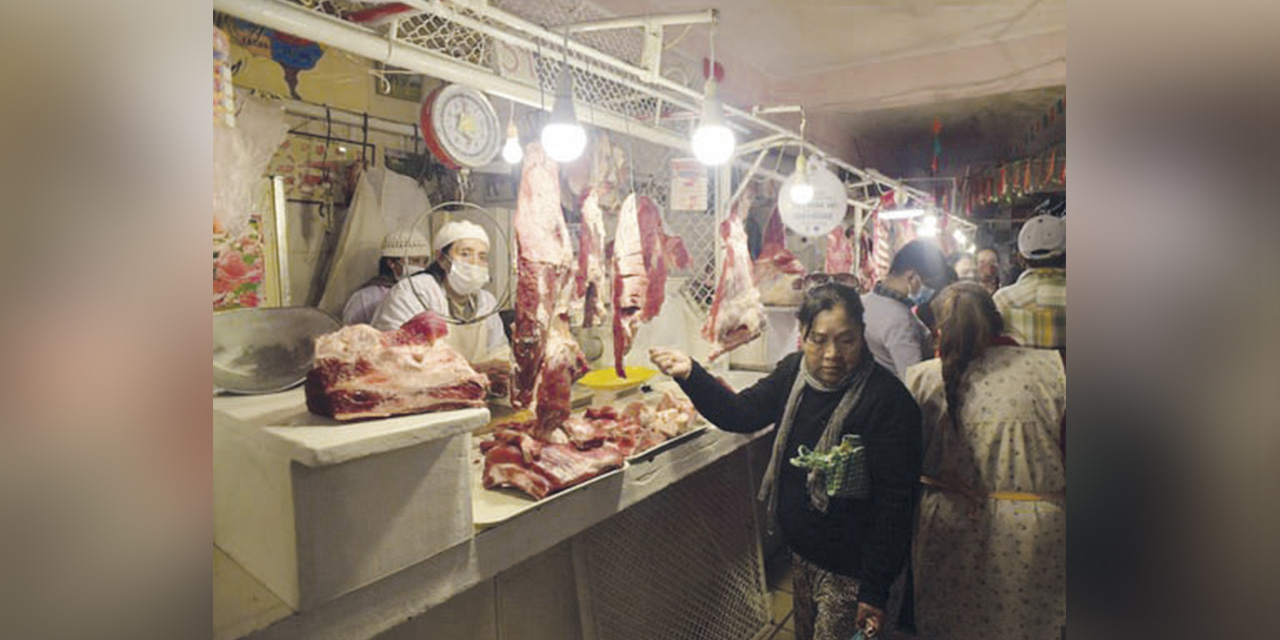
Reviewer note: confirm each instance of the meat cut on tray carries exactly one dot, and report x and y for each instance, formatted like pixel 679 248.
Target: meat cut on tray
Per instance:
pixel 737 316
pixel 360 372
pixel 778 273
pixel 544 280
pixel 642 253
pixel 519 455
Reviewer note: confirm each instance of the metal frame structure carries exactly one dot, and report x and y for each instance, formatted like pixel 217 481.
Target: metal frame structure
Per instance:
pixel 400 41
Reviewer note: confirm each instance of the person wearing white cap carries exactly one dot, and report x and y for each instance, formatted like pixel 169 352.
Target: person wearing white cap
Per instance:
pixel 1035 307
pixel 403 253
pixel 452 286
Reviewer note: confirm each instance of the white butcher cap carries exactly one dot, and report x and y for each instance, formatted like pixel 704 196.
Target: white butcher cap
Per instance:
pixel 405 243
pixel 1043 237
pixel 458 230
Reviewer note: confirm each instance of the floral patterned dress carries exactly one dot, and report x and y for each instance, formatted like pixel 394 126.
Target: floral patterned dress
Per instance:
pixel 990 547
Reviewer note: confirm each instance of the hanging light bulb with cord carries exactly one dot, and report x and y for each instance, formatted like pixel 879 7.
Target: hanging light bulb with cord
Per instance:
pixel 713 140
pixel 562 137
pixel 511 151
pixel 801 189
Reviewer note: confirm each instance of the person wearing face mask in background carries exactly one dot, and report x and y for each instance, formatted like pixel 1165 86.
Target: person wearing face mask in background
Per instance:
pixel 896 337
pixel 403 253
pixel 452 286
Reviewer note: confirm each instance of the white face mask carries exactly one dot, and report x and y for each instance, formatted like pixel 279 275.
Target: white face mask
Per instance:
pixel 466 278
pixel 407 270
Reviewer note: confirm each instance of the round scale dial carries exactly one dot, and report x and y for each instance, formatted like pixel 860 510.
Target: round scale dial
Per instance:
pixel 461 127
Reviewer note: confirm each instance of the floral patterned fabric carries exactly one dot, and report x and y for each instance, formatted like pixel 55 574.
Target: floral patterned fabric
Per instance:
pixel 994 567
pixel 237 267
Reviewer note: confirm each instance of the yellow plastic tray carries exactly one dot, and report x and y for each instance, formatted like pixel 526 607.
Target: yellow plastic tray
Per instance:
pixel 608 380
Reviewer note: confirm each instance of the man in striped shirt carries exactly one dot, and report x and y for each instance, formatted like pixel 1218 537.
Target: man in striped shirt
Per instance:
pixel 1035 307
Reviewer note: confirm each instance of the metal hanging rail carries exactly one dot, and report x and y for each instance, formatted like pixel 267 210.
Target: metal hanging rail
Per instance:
pixel 549 43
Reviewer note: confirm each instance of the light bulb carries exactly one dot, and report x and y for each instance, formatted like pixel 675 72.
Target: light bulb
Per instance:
pixel 511 151
pixel 562 137
pixel 927 231
pixel 959 236
pixel 801 191
pixel 713 144
pixel 930 221
pixel 713 141
pixel 563 141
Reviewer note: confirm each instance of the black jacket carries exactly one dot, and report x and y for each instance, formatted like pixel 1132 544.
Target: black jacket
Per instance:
pixel 864 539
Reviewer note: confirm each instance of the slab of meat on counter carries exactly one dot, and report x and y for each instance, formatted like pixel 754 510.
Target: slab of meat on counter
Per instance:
pixel 642 253
pixel 737 316
pixel 544 270
pixel 520 456
pixel 778 273
pixel 557 467
pixel 360 372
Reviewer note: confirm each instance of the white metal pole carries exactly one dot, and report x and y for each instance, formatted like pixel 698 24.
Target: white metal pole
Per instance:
pixel 661 20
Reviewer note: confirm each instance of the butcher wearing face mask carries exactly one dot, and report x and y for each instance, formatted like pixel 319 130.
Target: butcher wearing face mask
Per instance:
pixel 896 337
pixel 403 253
pixel 453 286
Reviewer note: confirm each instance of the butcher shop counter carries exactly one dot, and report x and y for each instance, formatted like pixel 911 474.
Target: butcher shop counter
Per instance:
pixel 558 540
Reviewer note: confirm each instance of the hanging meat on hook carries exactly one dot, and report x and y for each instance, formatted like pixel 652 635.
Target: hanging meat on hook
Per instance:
pixel 737 316
pixel 642 253
pixel 591 280
pixel 839 255
pixel 778 274
pixel 548 359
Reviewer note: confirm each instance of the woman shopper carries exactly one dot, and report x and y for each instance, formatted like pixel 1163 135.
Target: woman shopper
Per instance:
pixel 850 541
pixel 990 545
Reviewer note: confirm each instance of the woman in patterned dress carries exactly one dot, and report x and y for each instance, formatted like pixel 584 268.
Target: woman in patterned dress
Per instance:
pixel 990 545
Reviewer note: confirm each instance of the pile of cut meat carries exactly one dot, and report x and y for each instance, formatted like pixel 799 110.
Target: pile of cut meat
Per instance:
pixel 582 447
pixel 360 372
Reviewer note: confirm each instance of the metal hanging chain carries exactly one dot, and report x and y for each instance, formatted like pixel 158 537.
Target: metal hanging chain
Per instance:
pixel 464 183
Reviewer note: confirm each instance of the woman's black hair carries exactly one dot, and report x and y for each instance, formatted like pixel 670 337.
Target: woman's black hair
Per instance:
pixel 384 267
pixel 435 270
pixel 825 297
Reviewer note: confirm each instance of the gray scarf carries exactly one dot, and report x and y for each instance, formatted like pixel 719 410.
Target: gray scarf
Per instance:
pixel 853 386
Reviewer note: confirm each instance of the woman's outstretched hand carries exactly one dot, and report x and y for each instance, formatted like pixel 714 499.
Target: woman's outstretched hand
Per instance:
pixel 671 362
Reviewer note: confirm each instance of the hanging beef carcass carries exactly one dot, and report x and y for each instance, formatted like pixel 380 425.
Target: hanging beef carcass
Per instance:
pixel 608 164
pixel 360 372
pixel 737 315
pixel 839 256
pixel 642 253
pixel 543 289
pixel 778 274
pixel 591 281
